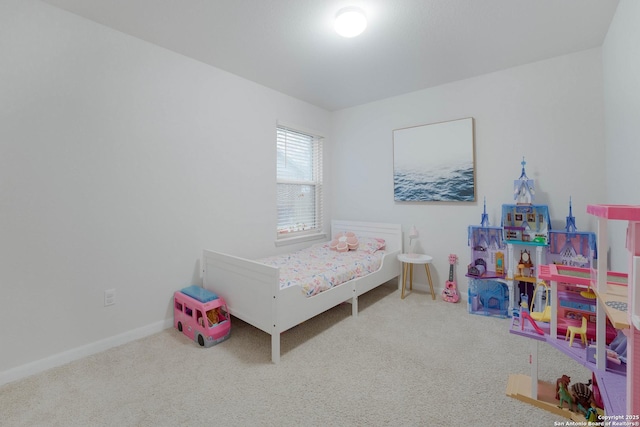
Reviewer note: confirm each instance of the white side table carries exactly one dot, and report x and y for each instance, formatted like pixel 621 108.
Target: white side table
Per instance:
pixel 409 260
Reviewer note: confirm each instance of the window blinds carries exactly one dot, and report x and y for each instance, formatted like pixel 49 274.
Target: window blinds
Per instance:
pixel 299 180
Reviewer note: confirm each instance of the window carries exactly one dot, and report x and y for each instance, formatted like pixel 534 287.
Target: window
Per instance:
pixel 299 183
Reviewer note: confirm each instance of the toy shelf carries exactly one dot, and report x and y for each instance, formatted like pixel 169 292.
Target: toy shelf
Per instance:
pixel 525 243
pixel 527 279
pixel 487 275
pixel 615 295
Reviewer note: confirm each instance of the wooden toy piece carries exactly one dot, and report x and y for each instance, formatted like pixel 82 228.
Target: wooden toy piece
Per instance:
pixel 573 330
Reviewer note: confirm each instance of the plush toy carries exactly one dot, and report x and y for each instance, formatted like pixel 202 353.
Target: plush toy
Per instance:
pixel 344 241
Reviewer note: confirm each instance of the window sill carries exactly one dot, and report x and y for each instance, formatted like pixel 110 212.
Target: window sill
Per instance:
pixel 300 239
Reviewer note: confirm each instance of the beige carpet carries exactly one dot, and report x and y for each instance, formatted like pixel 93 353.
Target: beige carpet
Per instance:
pixel 412 362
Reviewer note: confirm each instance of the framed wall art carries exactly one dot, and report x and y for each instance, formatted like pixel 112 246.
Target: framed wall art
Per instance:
pixel 435 162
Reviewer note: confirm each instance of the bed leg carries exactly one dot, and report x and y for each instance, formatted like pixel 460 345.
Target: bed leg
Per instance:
pixel 275 347
pixel 354 306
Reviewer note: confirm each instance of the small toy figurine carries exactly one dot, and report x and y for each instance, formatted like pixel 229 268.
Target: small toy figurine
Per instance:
pixel 592 413
pixel 213 316
pixel 582 396
pixel 564 395
pixel 565 379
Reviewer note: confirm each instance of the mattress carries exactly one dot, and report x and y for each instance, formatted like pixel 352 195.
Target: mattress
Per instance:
pixel 318 268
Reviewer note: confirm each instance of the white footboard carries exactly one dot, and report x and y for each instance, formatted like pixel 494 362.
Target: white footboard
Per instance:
pixel 252 292
pixel 249 288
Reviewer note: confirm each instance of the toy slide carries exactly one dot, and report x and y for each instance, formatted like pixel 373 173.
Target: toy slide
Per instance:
pixel 526 316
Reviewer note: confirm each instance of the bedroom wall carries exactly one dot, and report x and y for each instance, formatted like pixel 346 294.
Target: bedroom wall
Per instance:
pixel 621 64
pixel 120 161
pixel 551 112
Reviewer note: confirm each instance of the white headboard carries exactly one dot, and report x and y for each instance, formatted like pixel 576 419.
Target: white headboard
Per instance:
pixel 391 233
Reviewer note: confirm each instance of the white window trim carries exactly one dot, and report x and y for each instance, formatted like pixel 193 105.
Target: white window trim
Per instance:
pixel 313 235
pixel 301 239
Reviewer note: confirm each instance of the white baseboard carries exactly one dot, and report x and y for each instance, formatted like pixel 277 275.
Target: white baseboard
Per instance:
pixel 63 358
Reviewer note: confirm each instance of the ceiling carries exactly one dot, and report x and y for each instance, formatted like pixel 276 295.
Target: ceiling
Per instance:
pixel 290 45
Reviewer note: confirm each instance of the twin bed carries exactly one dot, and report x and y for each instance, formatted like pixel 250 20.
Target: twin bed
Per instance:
pixel 254 292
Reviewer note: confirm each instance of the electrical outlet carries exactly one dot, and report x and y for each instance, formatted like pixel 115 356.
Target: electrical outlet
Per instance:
pixel 109 297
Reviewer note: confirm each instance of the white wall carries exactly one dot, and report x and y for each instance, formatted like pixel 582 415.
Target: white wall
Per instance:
pixel 551 112
pixel 119 162
pixel 621 64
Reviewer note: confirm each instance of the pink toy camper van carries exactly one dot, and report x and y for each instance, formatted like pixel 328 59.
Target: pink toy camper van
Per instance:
pixel 201 315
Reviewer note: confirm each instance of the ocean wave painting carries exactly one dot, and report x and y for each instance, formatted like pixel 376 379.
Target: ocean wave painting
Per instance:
pixel 434 163
pixel 445 183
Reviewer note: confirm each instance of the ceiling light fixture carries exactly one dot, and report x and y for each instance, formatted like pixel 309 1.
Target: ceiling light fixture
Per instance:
pixel 350 21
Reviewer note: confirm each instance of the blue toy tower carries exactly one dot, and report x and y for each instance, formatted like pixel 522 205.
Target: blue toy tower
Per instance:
pixel 484 221
pixel 571 221
pixel 523 191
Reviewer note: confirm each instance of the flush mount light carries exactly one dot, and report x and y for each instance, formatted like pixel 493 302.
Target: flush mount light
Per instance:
pixel 350 21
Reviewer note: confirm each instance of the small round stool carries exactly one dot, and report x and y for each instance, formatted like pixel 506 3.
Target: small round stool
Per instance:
pixel 409 260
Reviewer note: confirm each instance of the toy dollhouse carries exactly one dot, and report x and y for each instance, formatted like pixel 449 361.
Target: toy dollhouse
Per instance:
pixel 488 292
pixel 570 246
pixel 609 343
pixel 504 259
pixel 590 314
pixel 621 304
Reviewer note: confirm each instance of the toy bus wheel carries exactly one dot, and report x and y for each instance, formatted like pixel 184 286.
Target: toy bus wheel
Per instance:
pixel 180 326
pixel 201 340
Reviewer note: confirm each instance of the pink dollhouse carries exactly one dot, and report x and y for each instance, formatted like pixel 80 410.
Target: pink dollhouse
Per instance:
pixel 615 305
pixel 622 309
pixel 594 313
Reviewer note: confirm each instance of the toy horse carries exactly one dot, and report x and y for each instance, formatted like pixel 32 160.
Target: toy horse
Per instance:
pixel 563 392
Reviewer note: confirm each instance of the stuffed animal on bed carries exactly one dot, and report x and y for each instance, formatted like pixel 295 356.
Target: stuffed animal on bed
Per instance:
pixel 344 241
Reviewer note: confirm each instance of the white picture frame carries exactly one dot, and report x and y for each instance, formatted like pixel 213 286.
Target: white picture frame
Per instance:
pixel 435 162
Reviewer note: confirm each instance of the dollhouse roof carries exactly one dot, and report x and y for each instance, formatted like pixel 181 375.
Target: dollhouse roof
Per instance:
pixel 571 220
pixel 523 188
pixel 484 220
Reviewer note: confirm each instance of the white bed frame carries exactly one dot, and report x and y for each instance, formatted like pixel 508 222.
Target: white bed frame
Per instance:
pixel 252 290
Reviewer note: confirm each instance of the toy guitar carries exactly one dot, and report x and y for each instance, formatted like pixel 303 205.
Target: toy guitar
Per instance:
pixel 450 292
